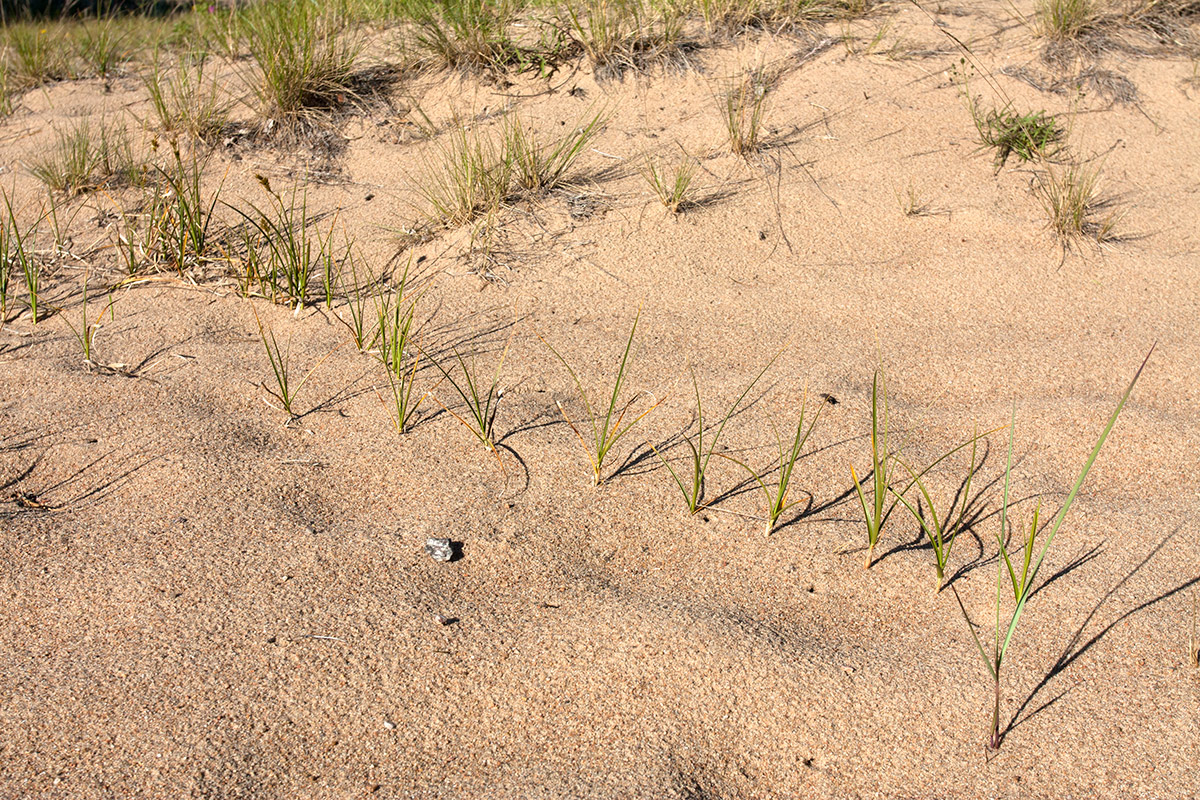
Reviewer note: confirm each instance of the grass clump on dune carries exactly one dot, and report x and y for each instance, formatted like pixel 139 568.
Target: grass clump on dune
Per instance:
pixel 306 57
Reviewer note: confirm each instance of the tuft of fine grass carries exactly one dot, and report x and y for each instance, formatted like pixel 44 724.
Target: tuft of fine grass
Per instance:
pixel 1074 206
pixel 605 431
pixel 306 57
pixel 104 45
pixel 1064 20
pixel 541 166
pixel 180 217
pixel 85 159
pixel 617 35
pixel 36 55
pixel 466 34
pixel 478 173
pixel 743 103
pixel 186 100
pixel 471 180
pixel 671 185
pixel 1023 585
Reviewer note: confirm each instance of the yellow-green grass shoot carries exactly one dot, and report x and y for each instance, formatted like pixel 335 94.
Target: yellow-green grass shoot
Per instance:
pixel 482 399
pixel 16 250
pixel 875 514
pixel 1022 585
pixel 85 334
pixel 605 431
pixel 692 488
pixel 284 389
pixel 942 529
pixel 777 495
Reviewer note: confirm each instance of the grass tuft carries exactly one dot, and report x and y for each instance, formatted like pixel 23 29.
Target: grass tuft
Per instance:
pixel 84 159
pixel 466 34
pixel 185 101
pixel 306 57
pixel 743 103
pixel 1064 20
pixel 617 35
pixel 671 185
pixel 1074 206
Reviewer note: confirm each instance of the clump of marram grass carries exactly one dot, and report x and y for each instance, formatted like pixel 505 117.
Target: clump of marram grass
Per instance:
pixel 1064 20
pixel 605 431
pixel 186 100
pixel 617 35
pixel 478 173
pixel 1022 585
pixel 1074 206
pixel 743 103
pixel 85 334
pixel 35 55
pixel 85 158
pixel 671 185
pixel 468 34
pixel 306 58
pixel 941 529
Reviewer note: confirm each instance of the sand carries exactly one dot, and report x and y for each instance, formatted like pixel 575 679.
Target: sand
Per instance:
pixel 211 603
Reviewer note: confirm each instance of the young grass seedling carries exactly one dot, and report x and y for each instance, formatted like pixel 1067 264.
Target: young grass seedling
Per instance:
pixel 940 529
pixel 356 296
pixel 743 105
pixel 285 391
pixel 606 431
pixel 693 489
pixel 1022 586
pixel 482 401
pixel 16 250
pixel 777 496
pixel 85 334
pixel 877 513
